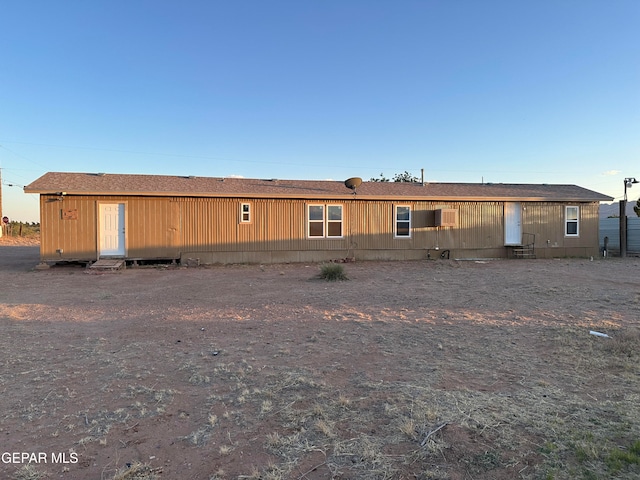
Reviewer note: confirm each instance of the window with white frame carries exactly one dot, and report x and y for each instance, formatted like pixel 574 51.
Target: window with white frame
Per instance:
pixel 245 213
pixel 324 221
pixel 571 221
pixel 402 224
pixel 334 221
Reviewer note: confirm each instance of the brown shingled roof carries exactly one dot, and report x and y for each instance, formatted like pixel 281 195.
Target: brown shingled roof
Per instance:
pixel 165 185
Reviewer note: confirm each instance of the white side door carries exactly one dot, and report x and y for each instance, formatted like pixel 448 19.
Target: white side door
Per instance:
pixel 111 229
pixel 512 223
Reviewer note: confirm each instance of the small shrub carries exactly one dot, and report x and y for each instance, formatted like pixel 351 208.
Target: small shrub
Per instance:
pixel 618 458
pixel 332 272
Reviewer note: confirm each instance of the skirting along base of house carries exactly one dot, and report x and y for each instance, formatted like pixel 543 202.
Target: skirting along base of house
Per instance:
pixel 195 258
pixel 209 258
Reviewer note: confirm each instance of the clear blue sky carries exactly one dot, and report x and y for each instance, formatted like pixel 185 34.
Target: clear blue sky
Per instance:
pixel 505 91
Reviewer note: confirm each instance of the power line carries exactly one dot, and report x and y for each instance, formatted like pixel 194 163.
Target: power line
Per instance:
pixel 12 184
pixel 22 156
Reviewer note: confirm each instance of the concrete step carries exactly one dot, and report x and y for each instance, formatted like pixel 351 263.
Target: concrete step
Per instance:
pixel 108 264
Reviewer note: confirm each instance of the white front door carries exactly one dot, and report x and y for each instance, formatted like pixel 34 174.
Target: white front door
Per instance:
pixel 111 230
pixel 512 223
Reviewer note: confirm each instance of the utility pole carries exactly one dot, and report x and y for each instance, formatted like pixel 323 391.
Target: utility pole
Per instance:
pixel 623 228
pixel 628 183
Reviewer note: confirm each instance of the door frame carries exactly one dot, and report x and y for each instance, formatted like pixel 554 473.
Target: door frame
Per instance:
pixel 122 236
pixel 512 223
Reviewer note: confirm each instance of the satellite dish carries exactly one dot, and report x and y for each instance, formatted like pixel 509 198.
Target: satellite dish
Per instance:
pixel 353 183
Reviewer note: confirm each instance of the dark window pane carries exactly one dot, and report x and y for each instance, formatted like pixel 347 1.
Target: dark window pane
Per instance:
pixel 316 229
pixel 402 229
pixel 334 229
pixel 572 228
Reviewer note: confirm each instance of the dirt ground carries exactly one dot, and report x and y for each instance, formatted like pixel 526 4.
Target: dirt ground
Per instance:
pixel 436 369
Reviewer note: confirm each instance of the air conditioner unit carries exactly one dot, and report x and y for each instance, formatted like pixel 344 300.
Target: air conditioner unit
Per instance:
pixel 446 217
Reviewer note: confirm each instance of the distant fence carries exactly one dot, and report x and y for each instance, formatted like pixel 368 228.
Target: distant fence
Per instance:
pixel 19 229
pixel 610 227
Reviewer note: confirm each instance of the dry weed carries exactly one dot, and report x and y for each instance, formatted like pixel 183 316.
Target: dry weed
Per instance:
pixel 29 472
pixel 324 427
pixel 213 420
pixel 625 344
pixel 225 450
pixel 408 427
pixel 199 437
pixel 266 407
pixel 137 471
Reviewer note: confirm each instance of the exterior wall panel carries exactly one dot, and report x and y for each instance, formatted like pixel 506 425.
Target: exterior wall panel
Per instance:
pixel 150 229
pixel 67 238
pixel 210 229
pixel 547 221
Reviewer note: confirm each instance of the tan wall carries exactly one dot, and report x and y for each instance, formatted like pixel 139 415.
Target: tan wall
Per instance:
pixel 546 220
pixel 71 225
pixel 210 229
pixel 67 238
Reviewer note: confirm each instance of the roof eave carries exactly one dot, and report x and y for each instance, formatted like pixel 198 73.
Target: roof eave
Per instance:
pixel 350 196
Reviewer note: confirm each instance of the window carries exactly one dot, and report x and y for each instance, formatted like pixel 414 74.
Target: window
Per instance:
pixel 316 220
pixel 571 221
pixel 402 221
pixel 245 213
pixel 324 221
pixel 334 221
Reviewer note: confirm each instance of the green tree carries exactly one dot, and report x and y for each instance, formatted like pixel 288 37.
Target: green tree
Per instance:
pixel 381 179
pixel 637 207
pixel 398 177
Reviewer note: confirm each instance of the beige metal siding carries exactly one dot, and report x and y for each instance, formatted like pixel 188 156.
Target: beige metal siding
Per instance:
pixel 152 227
pixel 167 227
pixel 481 225
pixel 546 221
pixel 150 231
pixel 67 238
pixel 210 224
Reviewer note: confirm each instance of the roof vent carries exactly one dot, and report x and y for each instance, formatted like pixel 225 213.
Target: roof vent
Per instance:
pixel 101 174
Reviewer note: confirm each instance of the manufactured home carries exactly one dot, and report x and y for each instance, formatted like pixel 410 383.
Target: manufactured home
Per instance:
pixel 88 216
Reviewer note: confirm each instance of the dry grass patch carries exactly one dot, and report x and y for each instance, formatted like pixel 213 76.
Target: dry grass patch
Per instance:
pixel 137 471
pixel 410 371
pixel 625 343
pixel 387 429
pixel 29 472
pixel 199 437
